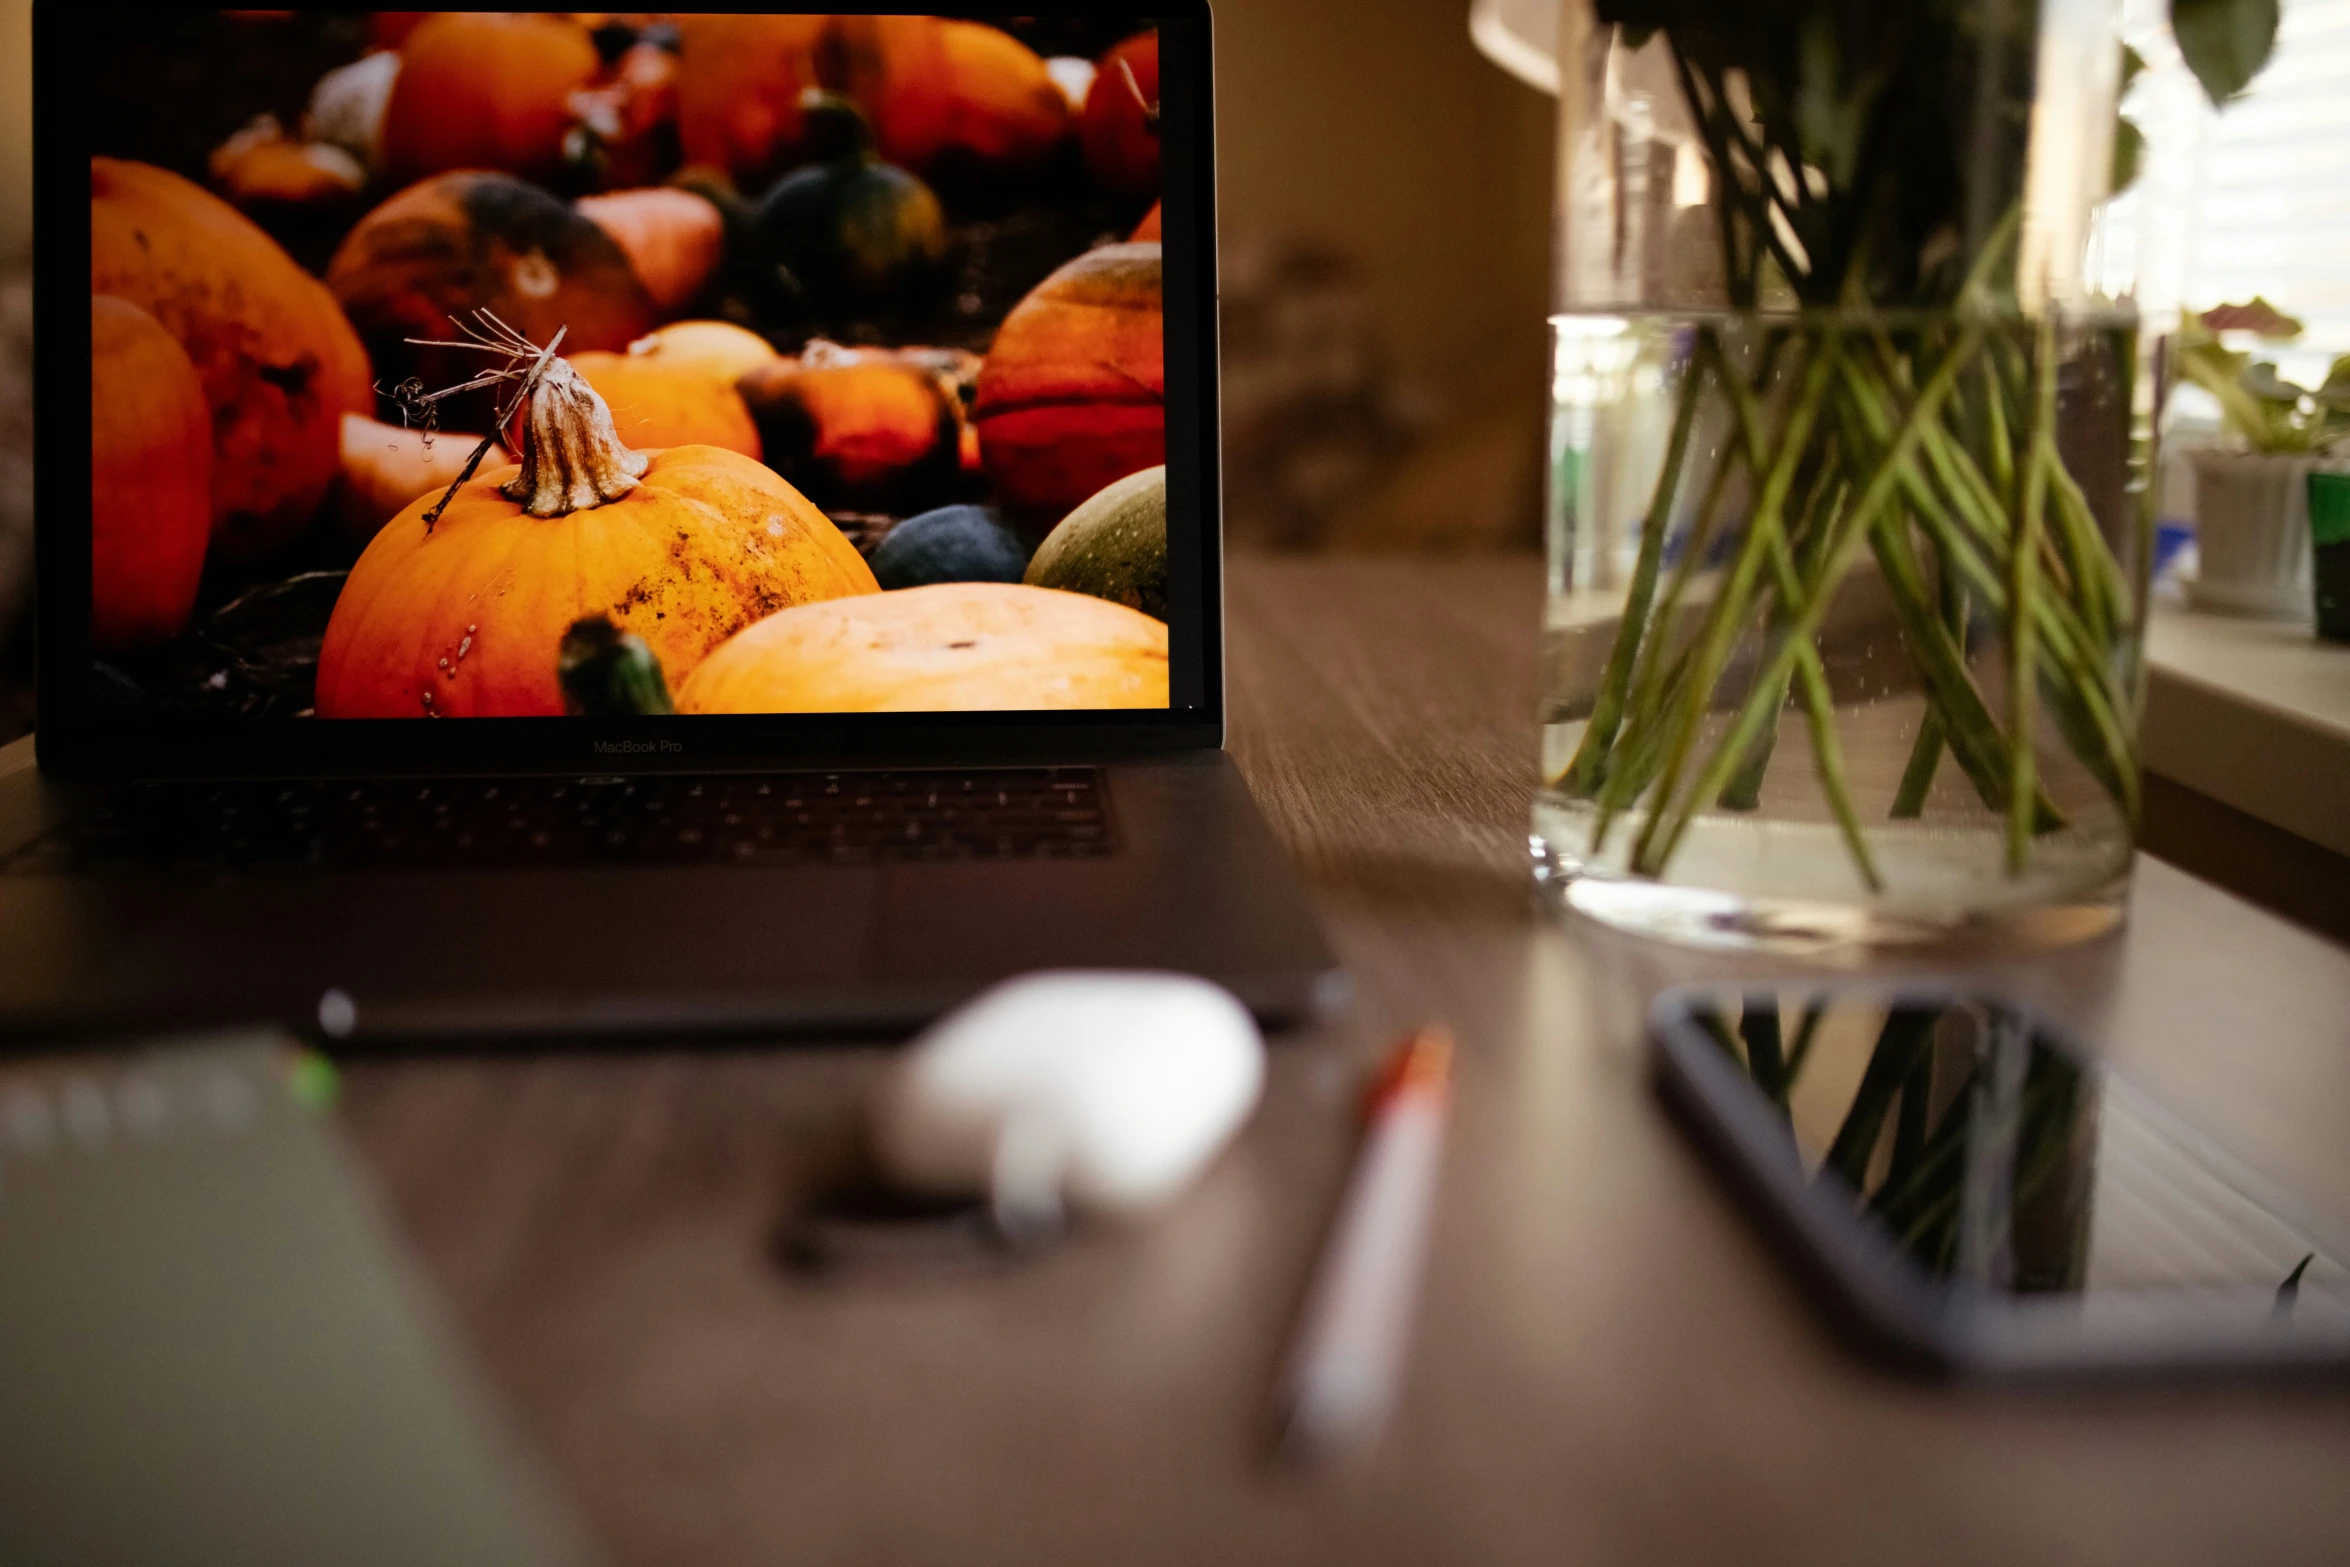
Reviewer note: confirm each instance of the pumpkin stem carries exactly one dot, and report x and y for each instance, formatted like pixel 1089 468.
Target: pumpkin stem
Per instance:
pixel 572 458
pixel 1149 107
pixel 526 362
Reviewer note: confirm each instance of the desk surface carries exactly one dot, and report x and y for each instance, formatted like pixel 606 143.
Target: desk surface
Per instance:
pixel 1610 1365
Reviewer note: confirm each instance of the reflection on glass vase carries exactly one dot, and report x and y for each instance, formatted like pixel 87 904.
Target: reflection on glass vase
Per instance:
pixel 1847 581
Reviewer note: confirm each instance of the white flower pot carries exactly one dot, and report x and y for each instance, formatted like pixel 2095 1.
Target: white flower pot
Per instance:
pixel 2252 533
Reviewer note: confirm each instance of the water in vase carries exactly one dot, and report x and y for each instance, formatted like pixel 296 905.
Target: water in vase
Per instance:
pixel 1795 561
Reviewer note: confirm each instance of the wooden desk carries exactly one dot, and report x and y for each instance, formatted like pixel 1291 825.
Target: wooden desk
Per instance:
pixel 1610 1366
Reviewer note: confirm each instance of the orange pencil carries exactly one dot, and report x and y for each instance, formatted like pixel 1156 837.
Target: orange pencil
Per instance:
pixel 1347 1358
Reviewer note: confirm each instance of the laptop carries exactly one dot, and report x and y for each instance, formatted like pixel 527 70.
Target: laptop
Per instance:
pixel 621 523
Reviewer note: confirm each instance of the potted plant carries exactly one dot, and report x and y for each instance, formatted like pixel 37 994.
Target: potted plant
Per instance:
pixel 2252 496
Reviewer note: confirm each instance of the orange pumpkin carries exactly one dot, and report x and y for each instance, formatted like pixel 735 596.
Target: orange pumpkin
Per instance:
pixel 150 478
pixel 1148 228
pixel 385 467
pixel 260 165
pixel 465 615
pixel 656 406
pixel 1120 127
pixel 943 93
pixel 739 80
pixel 860 430
pixel 485 90
pixel 463 242
pixel 719 351
pixel 279 364
pixel 673 238
pixel 1005 111
pixel 949 647
pixel 1072 395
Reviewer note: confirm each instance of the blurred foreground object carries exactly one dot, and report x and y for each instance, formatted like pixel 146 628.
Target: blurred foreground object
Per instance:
pixel 1105 1092
pixel 211 1347
pixel 1348 1356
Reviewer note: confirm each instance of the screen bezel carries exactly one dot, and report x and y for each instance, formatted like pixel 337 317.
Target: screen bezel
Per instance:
pixel 76 736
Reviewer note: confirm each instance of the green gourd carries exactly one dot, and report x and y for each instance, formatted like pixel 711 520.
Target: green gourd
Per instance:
pixel 1113 546
pixel 606 672
pixel 850 238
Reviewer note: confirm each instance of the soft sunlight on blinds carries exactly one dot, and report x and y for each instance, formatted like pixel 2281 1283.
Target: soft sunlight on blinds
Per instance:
pixel 2270 203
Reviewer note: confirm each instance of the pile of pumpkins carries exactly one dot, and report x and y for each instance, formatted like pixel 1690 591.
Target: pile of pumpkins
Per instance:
pixel 678 482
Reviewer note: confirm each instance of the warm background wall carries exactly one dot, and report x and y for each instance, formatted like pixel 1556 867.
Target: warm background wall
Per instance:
pixel 1373 132
pixel 1373 124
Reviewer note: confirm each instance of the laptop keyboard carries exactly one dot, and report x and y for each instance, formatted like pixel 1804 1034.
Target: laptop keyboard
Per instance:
pixel 441 824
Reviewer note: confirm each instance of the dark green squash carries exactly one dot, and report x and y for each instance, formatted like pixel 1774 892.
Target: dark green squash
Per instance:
pixel 951 544
pixel 606 672
pixel 850 238
pixel 1113 546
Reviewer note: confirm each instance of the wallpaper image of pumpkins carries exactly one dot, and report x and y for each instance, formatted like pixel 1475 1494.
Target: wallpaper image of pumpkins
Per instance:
pixel 603 363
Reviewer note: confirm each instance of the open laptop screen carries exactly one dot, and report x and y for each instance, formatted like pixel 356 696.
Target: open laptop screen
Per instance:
pixel 640 368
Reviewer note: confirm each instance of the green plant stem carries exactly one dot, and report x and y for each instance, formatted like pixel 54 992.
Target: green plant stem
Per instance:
pixel 2079 673
pixel 1909 1123
pixel 1975 741
pixel 1917 777
pixel 1907 1037
pixel 2022 629
pixel 1766 1060
pixel 1967 726
pixel 1925 756
pixel 1828 758
pixel 1730 606
pixel 1729 609
pixel 1987 572
pixel 1717 1029
pixel 1908 1207
pixel 1659 671
pixel 1607 711
pixel 1663 830
pixel 2080 687
pixel 1744 790
pixel 2105 593
pixel 1805 1032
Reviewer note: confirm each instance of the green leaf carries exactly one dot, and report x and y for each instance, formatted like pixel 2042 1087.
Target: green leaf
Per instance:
pixel 2263 382
pixel 2335 394
pixel 2225 42
pixel 2220 372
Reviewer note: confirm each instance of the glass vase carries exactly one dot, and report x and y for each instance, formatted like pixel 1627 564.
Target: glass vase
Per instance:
pixel 1846 549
